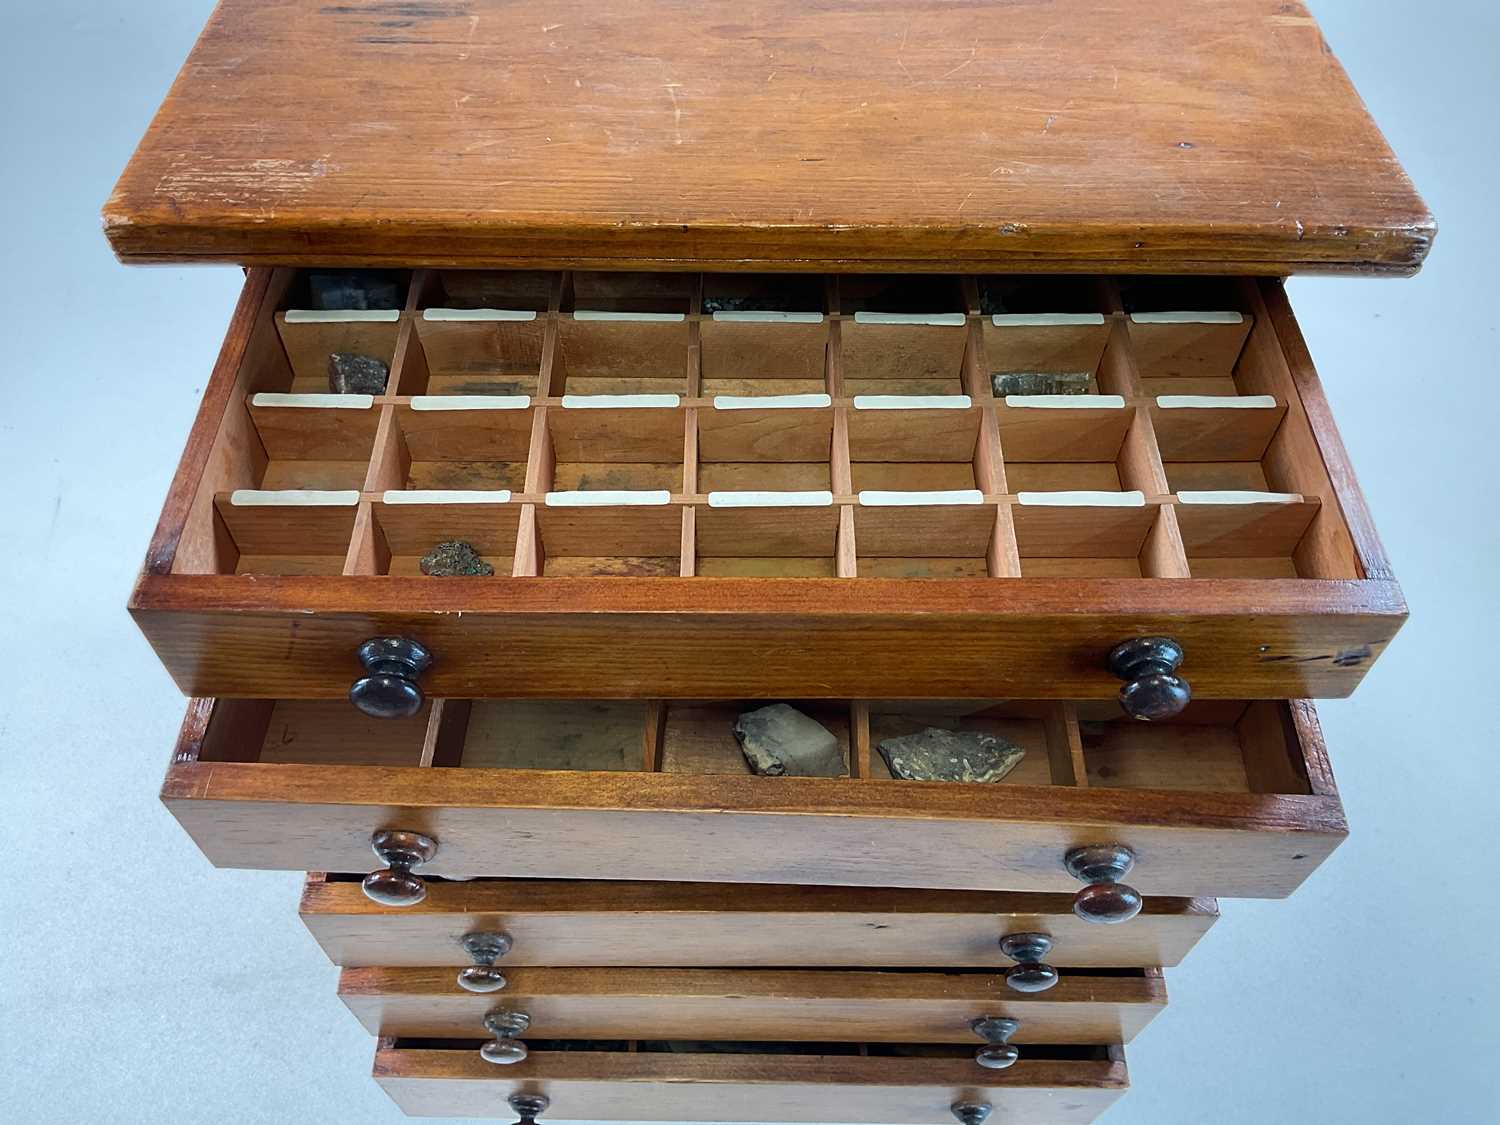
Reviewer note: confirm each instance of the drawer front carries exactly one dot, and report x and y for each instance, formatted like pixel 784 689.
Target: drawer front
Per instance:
pixel 757 1004
pixel 1228 800
pixel 1070 1088
pixel 894 528
pixel 689 925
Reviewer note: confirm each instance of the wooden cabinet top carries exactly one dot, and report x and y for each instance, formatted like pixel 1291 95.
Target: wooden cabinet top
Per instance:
pixel 1054 135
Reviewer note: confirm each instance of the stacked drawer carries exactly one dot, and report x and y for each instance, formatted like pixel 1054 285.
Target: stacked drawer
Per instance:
pixel 1042 510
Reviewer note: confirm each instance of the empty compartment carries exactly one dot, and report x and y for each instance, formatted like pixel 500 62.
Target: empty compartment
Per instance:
pixel 1086 535
pixel 699 738
pixel 613 443
pixel 460 443
pixel 767 535
pixel 284 532
pixel 941 534
pixel 407 526
pixel 311 732
pixel 900 293
pixel 1042 335
pixel 904 353
pixel 609 534
pixel 1229 534
pixel 1064 443
pixel 1186 334
pixel 311 441
pixel 583 735
pixel 604 352
pixel 628 292
pixel 1032 727
pixel 1230 747
pixel 754 352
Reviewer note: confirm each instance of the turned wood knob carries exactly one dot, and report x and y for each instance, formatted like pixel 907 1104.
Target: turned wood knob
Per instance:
pixel 485 949
pixel 970 1113
pixel 505 1048
pixel 1031 973
pixel 388 689
pixel 1148 665
pixel 528 1107
pixel 1105 899
pixel 996 1031
pixel 400 851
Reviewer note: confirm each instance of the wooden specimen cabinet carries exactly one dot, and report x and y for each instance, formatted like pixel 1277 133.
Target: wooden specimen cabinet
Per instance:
pixel 917 366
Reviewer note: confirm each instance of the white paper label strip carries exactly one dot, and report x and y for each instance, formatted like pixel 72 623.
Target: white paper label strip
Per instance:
pixel 933 320
pixel 1216 402
pixel 517 316
pixel 604 498
pixel 1082 499
pixel 770 499
pixel 630 317
pixel 1237 496
pixel 470 402
pixel 1187 318
pixel 342 316
pixel 1065 402
pixel 1046 320
pixel 314 402
pixel 771 402
pixel 627 402
pixel 912 402
pixel 883 499
pixel 447 496
pixel 751 316
pixel 293 497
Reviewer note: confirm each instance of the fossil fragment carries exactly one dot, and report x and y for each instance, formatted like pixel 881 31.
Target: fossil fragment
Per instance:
pixel 935 754
pixel 1040 383
pixel 350 373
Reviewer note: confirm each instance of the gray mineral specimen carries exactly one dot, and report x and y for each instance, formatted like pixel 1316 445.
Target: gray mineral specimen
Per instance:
pixel 781 741
pixel 455 559
pixel 1040 383
pixel 352 374
pixel 353 289
pixel 950 755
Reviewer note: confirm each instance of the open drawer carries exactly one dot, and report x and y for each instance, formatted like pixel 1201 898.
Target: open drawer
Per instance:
pixel 558 924
pixel 897 1006
pixel 685 487
pixel 892 1084
pixel 1227 799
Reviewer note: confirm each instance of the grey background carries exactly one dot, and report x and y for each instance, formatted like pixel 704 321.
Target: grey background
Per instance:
pixel 138 983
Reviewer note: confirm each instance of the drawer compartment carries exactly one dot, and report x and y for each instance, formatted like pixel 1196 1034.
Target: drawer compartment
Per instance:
pixel 1226 799
pixel 1086 1006
pixel 560 924
pixel 626 464
pixel 890 1084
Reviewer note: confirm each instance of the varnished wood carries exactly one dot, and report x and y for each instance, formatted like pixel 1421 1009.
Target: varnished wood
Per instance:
pixel 708 924
pixel 623 825
pixel 669 1086
pixel 1203 136
pixel 797 1005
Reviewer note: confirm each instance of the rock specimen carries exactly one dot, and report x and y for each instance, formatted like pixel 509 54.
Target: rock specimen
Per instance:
pixel 780 741
pixel 350 373
pixel 950 755
pixel 353 289
pixel 1040 383
pixel 455 559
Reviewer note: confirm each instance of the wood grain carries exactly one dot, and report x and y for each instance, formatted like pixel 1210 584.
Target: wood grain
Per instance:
pixel 797 1005
pixel 714 924
pixel 1206 136
pixel 670 1086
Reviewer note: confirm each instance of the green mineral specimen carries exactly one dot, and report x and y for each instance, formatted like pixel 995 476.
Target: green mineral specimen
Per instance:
pixel 455 559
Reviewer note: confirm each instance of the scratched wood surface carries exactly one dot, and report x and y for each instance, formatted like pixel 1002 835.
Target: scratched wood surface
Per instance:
pixel 713 924
pixel 758 1004
pixel 1203 135
pixel 1046 1087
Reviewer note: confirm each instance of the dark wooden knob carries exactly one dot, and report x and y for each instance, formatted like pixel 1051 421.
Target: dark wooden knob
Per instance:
pixel 1105 899
pixel 388 689
pixel 528 1107
pixel 1031 973
pixel 485 949
pixel 400 851
pixel 1148 665
pixel 971 1113
pixel 505 1048
pixel 998 1053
